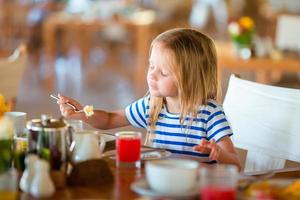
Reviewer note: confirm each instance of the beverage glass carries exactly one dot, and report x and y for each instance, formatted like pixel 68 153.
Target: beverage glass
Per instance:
pixel 218 182
pixel 128 145
pixel 8 185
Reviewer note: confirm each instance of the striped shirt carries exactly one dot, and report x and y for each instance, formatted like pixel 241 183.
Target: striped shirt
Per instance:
pixel 169 134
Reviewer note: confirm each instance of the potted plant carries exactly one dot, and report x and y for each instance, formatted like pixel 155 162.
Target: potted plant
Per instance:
pixel 6 137
pixel 8 176
pixel 242 34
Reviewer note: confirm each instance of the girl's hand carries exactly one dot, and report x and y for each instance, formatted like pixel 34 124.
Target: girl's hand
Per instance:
pixel 202 147
pixel 209 147
pixel 65 109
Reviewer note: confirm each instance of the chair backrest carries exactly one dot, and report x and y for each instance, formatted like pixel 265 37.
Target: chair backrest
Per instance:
pixel 11 72
pixel 287 32
pixel 265 121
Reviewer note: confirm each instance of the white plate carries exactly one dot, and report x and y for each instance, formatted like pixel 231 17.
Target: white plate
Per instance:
pixel 141 187
pixel 154 155
pixel 147 154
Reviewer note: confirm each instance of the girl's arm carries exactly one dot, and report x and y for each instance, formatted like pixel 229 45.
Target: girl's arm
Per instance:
pixel 227 154
pixel 100 119
pixel 223 151
pixel 104 120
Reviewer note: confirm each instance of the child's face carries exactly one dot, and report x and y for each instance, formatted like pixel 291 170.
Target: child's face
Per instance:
pixel 161 81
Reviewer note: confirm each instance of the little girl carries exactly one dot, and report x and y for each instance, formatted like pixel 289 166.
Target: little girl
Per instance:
pixel 180 112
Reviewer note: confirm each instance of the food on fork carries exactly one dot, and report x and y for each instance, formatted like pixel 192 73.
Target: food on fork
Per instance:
pixel 88 110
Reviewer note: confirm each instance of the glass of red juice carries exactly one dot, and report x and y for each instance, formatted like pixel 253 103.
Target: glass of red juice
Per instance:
pixel 128 145
pixel 218 182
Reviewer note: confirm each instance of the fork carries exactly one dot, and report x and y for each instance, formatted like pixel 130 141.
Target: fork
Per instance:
pixel 68 103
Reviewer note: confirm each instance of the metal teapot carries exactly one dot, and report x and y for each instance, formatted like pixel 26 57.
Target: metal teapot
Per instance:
pixel 50 138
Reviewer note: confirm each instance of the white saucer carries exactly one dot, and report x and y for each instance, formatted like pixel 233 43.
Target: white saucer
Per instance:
pixel 146 154
pixel 141 187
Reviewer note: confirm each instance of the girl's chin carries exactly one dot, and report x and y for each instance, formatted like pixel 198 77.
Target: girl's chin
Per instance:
pixel 154 93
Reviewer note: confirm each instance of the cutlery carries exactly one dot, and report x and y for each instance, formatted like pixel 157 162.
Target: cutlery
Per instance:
pixel 69 104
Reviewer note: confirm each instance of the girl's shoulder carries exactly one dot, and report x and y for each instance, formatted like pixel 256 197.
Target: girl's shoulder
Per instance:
pixel 211 106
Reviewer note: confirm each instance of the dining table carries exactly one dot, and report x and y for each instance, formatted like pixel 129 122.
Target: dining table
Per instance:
pixel 119 188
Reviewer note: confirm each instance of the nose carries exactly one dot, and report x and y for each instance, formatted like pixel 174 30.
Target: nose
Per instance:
pixel 152 75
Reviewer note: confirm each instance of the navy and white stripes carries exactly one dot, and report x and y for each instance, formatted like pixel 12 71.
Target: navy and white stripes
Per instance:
pixel 169 134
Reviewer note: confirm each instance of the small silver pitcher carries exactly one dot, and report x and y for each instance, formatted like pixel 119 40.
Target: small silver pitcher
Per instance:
pixel 50 139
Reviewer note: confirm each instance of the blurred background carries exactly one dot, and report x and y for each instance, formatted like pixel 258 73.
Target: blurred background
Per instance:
pixel 96 51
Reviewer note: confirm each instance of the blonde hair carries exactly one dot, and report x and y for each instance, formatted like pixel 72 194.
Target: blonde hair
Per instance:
pixel 195 70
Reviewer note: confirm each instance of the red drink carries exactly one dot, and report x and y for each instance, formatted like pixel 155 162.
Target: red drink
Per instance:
pixel 128 145
pixel 217 192
pixel 129 149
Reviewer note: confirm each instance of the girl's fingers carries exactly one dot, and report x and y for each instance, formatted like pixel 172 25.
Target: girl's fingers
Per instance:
pixel 203 142
pixel 212 155
pixel 198 148
pixel 64 107
pixel 202 146
pixel 67 113
pixel 63 100
pixel 215 150
pixel 66 110
pixel 211 144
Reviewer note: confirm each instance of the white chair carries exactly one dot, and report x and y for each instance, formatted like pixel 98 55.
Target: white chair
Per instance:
pixel 265 121
pixel 11 72
pixel 287 32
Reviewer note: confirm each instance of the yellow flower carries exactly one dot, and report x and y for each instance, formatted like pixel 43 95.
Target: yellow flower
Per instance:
pixel 4 107
pixel 246 22
pixel 242 32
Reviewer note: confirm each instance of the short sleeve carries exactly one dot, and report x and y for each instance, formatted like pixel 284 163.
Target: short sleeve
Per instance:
pixel 136 112
pixel 218 125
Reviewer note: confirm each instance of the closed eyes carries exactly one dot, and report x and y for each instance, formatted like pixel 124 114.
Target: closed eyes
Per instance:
pixel 151 67
pixel 162 73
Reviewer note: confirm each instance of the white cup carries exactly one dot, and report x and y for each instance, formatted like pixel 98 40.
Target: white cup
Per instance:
pixel 88 145
pixel 19 121
pixel 173 176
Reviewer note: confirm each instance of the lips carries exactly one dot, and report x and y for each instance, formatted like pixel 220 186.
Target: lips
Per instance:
pixel 152 85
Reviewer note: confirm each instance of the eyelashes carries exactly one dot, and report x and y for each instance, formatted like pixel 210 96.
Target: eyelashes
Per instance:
pixel 162 73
